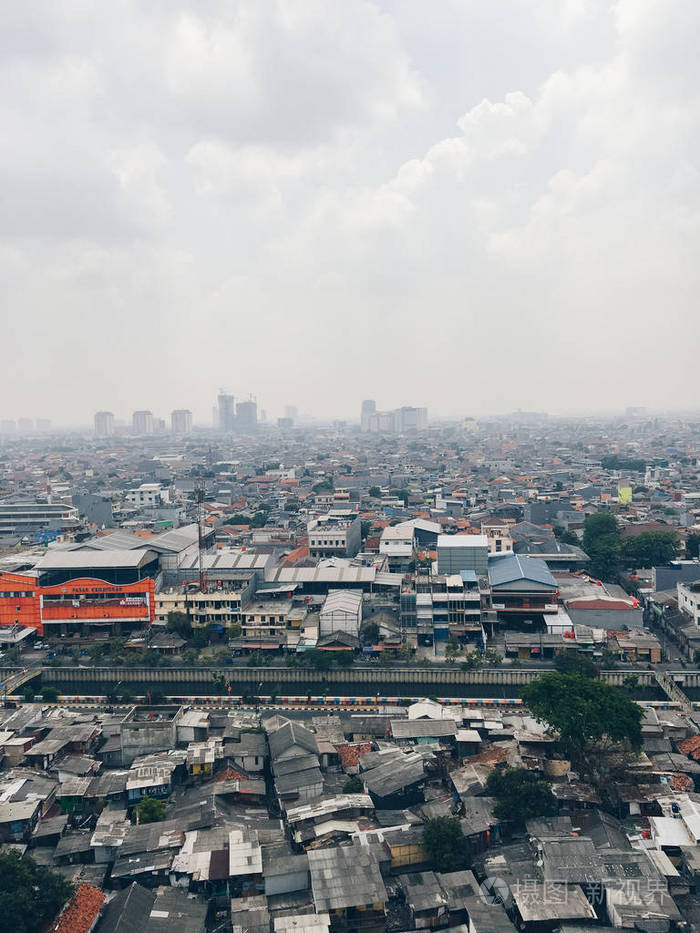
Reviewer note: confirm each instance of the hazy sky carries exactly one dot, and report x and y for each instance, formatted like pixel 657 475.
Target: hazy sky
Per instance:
pixel 473 205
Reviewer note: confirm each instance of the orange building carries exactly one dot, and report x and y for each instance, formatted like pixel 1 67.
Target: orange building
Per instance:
pixel 81 605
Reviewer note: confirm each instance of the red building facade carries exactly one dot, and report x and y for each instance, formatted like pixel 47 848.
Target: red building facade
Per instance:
pixel 79 605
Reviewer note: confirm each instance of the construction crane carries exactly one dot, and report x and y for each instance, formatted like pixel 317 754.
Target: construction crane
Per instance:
pixel 199 494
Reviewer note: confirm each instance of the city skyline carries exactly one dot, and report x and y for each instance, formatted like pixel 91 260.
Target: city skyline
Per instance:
pixel 482 212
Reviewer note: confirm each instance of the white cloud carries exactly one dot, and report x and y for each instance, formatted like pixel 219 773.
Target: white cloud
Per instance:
pixel 357 190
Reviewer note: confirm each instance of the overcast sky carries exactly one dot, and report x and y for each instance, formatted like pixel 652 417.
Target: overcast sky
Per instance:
pixel 474 205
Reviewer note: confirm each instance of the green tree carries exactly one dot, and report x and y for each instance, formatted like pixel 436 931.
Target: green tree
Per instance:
pixel 259 519
pixel 179 622
pixel 353 785
pixel 604 557
pixel 49 694
pixel 445 844
pixel 616 462
pixel 238 518
pixel 452 648
pixel 324 485
pixel 28 693
pixel 692 547
pixel 150 810
pixel 345 658
pixel 569 537
pixel 369 633
pixel 587 713
pixel 321 660
pixel 649 549
pixel 601 541
pixel 574 662
pixel 31 895
pixel 235 630
pixel 520 795
pixel 375 492
pixel 492 657
pixel 472 662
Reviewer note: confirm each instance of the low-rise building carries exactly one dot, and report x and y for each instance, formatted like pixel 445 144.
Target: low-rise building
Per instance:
pixel 336 534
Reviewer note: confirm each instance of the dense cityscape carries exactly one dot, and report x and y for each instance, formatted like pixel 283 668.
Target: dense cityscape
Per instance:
pixel 350 466
pixel 297 675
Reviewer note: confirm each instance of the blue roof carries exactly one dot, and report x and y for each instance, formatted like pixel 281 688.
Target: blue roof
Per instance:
pixel 511 568
pixel 468 576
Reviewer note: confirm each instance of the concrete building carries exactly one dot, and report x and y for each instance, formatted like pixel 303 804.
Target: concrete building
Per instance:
pixel 499 537
pixel 689 600
pixel 369 408
pixel 402 420
pixel 438 606
pixel 148 495
pixel 104 424
pixel 247 417
pixel 522 588
pixel 147 730
pixel 336 534
pixel 96 509
pixel 226 417
pixel 463 552
pixel 142 422
pixel 397 542
pixel 181 421
pixel 31 517
pixel 341 612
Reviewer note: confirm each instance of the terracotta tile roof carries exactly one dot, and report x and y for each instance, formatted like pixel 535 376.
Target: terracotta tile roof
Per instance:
pixel 350 754
pixel 229 774
pixel 490 756
pixel 297 554
pixel 81 912
pixel 682 782
pixel 690 747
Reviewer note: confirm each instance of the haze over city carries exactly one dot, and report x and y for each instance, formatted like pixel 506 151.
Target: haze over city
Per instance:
pixel 474 207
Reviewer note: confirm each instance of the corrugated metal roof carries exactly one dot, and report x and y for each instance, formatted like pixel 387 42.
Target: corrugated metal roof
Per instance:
pixel 70 560
pixel 511 568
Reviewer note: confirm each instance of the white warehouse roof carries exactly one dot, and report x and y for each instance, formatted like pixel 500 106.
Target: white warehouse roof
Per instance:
pixel 463 541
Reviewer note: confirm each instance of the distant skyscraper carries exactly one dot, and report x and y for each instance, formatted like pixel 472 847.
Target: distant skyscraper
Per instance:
pixel 8 427
pixel 369 408
pixel 104 423
pixel 226 416
pixel 142 422
pixel 181 421
pixel 25 425
pixel 43 425
pixel 291 412
pixel 247 417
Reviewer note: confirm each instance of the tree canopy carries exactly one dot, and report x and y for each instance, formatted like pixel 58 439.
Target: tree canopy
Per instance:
pixel 601 541
pixel 608 551
pixel 574 662
pixel 30 895
pixel 520 795
pixel 369 633
pixel 353 785
pixel 151 810
pixel 649 549
pixel 616 462
pixel 445 844
pixel 583 711
pixel 179 622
